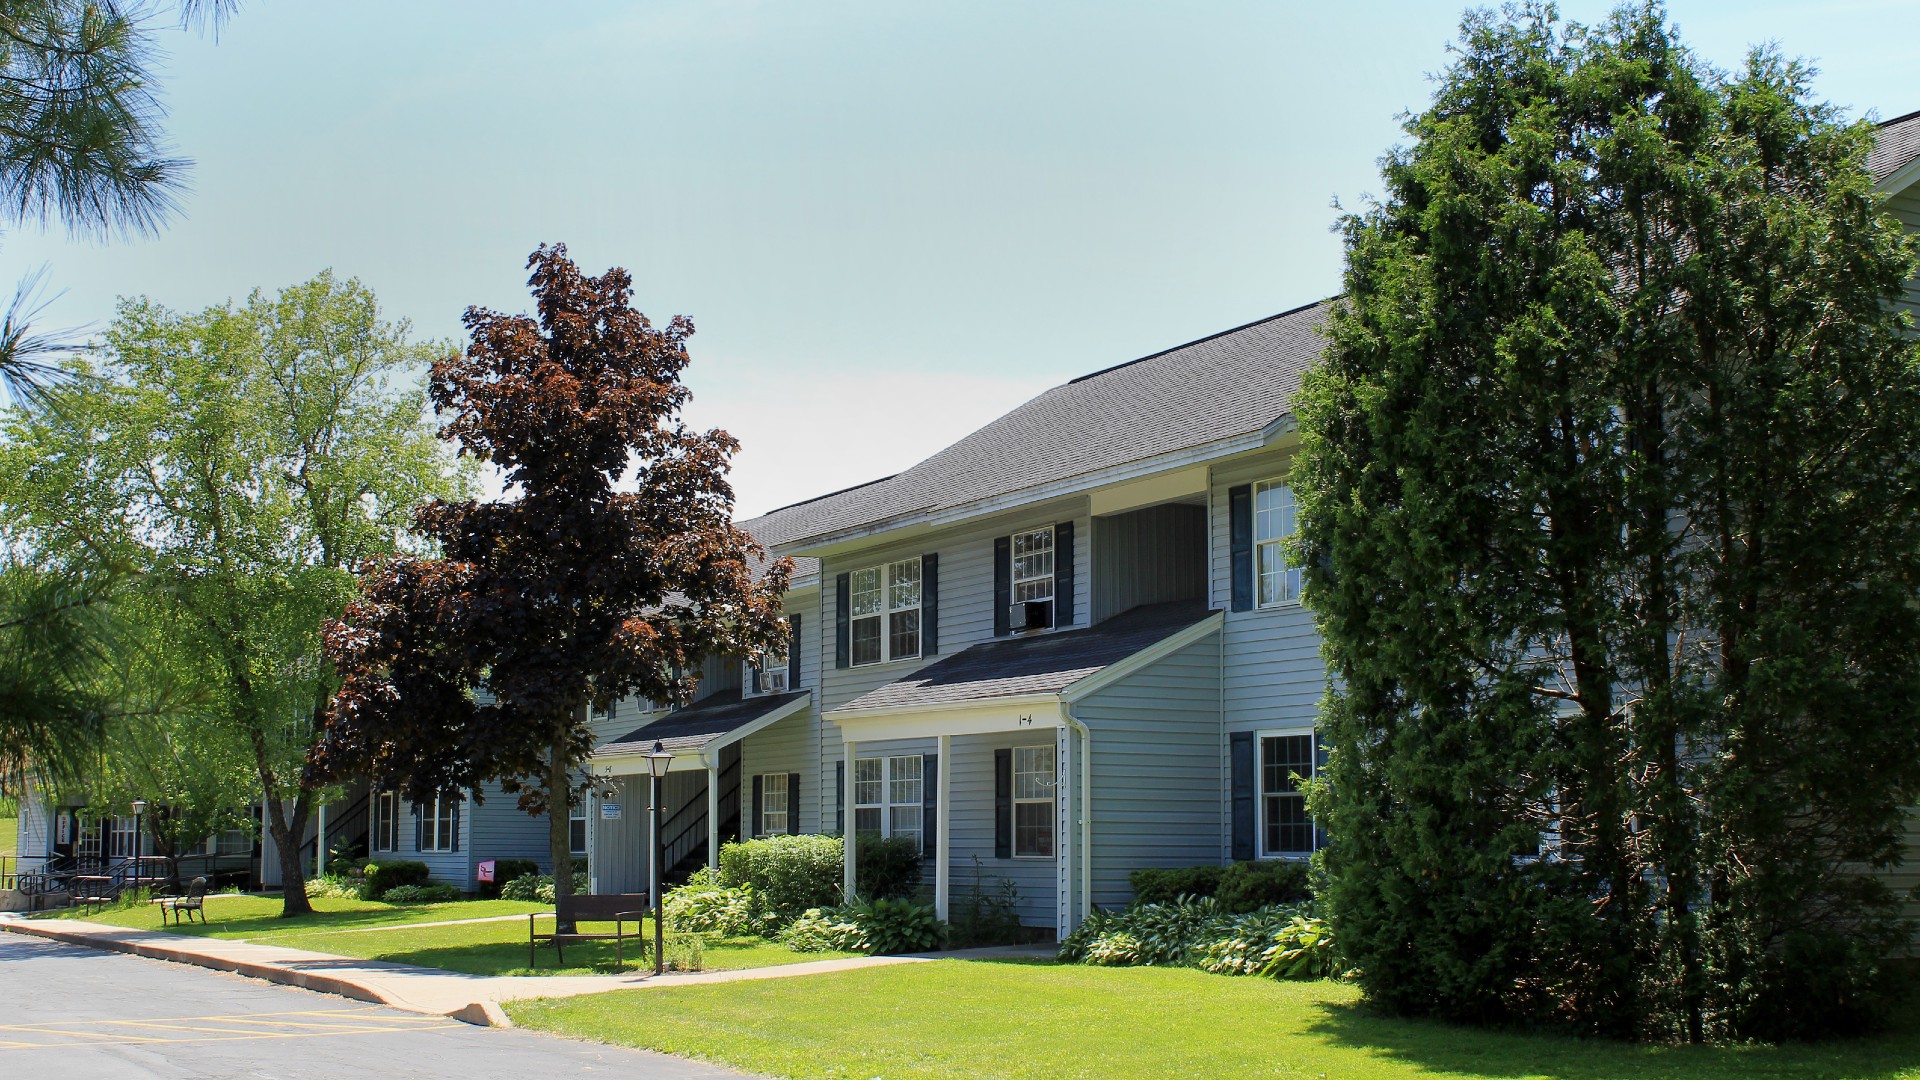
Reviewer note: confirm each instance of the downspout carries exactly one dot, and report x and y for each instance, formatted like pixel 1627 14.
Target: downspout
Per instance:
pixel 1086 808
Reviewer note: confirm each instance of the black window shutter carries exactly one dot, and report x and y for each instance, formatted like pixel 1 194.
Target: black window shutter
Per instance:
pixel 1240 757
pixel 793 802
pixel 754 822
pixel 453 843
pixel 929 604
pixel 1002 585
pixel 794 645
pixel 842 619
pixel 1063 574
pixel 1240 533
pixel 419 829
pixel 840 796
pixel 1003 804
pixel 929 805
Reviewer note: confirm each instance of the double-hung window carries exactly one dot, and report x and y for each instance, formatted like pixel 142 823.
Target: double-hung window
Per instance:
pixel 889 795
pixel 577 826
pixel 1275 518
pixel 766 673
pixel 775 805
pixel 1033 566
pixel 1033 801
pixel 124 837
pixel 386 822
pixel 89 840
pixel 1287 760
pixel 883 608
pixel 442 818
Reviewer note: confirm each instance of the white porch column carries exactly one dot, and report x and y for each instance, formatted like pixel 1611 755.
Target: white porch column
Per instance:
pixel 319 845
pixel 713 814
pixel 593 837
pixel 1063 832
pixel 943 807
pixel 846 836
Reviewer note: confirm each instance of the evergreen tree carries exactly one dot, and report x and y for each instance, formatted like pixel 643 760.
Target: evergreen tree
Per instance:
pixel 1610 514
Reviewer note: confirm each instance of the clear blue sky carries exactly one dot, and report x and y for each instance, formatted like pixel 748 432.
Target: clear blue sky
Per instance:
pixel 890 222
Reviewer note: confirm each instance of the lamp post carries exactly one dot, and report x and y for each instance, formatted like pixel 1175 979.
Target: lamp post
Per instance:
pixel 139 809
pixel 657 761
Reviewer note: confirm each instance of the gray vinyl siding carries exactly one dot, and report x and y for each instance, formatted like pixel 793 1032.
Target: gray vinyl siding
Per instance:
pixel 1158 778
pixel 789 746
pixel 970 825
pixel 965 615
pixel 619 856
pixel 34 836
pixel 1148 557
pixel 499 829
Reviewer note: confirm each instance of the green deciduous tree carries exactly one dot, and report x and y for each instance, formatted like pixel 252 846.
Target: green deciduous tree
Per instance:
pixel 573 591
pixel 1611 515
pixel 242 460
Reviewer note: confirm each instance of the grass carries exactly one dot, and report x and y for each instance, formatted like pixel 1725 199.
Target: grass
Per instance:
pixel 9 834
pixel 370 930
pixel 954 1018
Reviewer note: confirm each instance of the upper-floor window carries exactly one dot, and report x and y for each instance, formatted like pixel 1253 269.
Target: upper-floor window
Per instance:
pixel 1275 519
pixel 386 822
pixel 1287 760
pixel 767 672
pixel 883 606
pixel 1033 575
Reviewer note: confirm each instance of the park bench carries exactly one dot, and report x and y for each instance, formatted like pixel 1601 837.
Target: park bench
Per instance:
pixel 571 911
pixel 189 903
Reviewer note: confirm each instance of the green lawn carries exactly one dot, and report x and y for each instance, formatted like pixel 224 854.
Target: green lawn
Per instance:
pixel 9 834
pixel 954 1018
pixel 376 931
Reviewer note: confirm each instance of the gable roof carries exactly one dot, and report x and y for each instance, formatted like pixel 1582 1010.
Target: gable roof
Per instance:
pixel 692 728
pixel 1042 664
pixel 1896 144
pixel 1231 383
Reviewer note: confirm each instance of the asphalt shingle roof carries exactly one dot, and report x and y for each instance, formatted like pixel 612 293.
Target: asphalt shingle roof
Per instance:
pixel 1041 664
pixel 699 724
pixel 1895 144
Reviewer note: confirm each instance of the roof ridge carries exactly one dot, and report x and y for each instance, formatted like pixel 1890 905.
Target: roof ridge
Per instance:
pixel 828 495
pixel 1202 340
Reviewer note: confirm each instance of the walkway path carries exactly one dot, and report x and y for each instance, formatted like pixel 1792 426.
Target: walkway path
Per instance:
pixel 473 998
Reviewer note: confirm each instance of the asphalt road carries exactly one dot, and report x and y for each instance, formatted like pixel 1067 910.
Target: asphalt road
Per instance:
pixel 77 1014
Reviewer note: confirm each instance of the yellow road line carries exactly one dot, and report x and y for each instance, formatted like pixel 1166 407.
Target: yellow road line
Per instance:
pixel 124 1040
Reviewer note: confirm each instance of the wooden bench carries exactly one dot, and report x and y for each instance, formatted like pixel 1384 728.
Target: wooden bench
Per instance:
pixel 571 911
pixel 194 901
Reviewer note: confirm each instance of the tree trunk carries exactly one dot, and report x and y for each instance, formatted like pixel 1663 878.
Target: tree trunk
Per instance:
pixel 286 840
pixel 559 827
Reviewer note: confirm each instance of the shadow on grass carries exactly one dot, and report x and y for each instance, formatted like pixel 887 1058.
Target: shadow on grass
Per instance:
pixel 1442 1048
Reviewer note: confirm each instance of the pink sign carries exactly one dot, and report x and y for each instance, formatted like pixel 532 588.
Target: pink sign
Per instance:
pixel 485 870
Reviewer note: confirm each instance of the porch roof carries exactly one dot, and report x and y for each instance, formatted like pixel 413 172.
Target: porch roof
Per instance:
pixel 720 717
pixel 1039 664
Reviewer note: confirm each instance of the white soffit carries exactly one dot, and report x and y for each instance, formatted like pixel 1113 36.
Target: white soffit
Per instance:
pixel 1149 490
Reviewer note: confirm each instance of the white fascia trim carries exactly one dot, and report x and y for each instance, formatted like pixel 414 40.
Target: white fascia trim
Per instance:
pixel 1033 712
pixel 1152 654
pixel 634 762
pixel 925 520
pixel 1900 179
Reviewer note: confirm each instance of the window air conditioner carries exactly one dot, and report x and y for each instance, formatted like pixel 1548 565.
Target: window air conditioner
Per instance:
pixel 1030 615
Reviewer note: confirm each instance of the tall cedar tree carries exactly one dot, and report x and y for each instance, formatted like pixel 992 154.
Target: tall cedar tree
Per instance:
pixel 573 592
pixel 1610 519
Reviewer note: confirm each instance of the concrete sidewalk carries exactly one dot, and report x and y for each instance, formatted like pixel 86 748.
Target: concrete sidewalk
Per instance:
pixel 475 999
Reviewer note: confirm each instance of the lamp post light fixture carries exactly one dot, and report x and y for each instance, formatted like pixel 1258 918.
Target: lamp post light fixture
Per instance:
pixel 658 759
pixel 139 809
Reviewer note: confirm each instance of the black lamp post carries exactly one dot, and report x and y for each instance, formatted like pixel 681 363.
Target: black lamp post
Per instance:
pixel 657 761
pixel 139 809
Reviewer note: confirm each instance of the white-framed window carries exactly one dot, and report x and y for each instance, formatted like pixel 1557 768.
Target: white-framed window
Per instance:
pixel 889 796
pixel 776 805
pixel 577 826
pixel 88 846
pixel 231 842
pixel 766 673
pixel 386 821
pixel 1034 785
pixel 1288 759
pixel 1033 565
pixel 883 608
pixel 1275 519
pixel 123 837
pixel 442 815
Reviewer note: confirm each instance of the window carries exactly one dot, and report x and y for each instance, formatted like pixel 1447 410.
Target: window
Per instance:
pixel 1286 829
pixel 1274 520
pixel 89 846
pixel 1033 788
pixel 774 805
pixel 888 796
pixel 1033 565
pixel 883 608
pixel 442 816
pixel 231 842
pixel 123 837
pixel 577 826
pixel 386 822
pixel 766 673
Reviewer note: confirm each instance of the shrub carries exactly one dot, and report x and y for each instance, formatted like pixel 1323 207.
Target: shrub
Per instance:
pixel 899 926
pixel 334 887
pixel 685 952
pixel 381 876
pixel 1245 944
pixel 829 929
pixel 422 894
pixel 504 871
pixel 886 867
pixel 1279 941
pixel 790 874
pixel 1117 949
pixel 538 888
pixel 1162 885
pixel 1306 951
pixel 1249 886
pixel 704 906
pixel 986 918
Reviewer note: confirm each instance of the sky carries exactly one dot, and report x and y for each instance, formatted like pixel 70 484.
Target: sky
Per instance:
pixel 889 222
